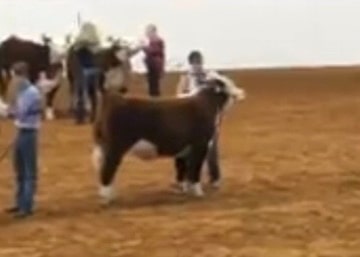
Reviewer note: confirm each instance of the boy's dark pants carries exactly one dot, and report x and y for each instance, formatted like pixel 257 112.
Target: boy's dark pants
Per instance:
pixel 212 160
pixel 25 166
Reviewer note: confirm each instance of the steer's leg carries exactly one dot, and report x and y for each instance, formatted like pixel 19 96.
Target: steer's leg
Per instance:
pixel 181 165
pixel 5 79
pixel 3 85
pixel 97 157
pixel 111 157
pixel 110 161
pixel 101 82
pixel 50 97
pixel 196 159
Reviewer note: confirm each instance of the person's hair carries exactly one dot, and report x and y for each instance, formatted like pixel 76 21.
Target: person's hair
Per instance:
pixel 21 69
pixel 88 34
pixel 152 27
pixel 195 56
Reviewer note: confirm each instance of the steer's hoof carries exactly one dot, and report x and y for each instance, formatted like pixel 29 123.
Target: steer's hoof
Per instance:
pixel 106 202
pixel 196 190
pixel 106 195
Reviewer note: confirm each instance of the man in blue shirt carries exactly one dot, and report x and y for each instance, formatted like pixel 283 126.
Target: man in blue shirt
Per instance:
pixel 27 115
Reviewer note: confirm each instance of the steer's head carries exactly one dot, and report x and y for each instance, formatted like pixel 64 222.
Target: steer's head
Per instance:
pixel 56 53
pixel 224 89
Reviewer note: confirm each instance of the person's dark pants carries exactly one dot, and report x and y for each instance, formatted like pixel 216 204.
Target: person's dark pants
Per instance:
pixel 153 79
pixel 86 86
pixel 212 160
pixel 25 166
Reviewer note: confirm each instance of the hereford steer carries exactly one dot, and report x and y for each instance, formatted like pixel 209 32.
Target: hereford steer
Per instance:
pixel 150 128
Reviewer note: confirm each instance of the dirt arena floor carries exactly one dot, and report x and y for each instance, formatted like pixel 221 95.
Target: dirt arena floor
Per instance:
pixel 291 188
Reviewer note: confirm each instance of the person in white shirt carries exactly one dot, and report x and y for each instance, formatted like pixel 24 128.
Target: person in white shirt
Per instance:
pixel 188 85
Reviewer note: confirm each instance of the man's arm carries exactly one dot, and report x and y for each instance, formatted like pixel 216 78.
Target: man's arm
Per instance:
pixel 136 49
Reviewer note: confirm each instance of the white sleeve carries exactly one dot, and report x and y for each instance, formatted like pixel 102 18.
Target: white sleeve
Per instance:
pixel 4 108
pixel 46 85
pixel 212 74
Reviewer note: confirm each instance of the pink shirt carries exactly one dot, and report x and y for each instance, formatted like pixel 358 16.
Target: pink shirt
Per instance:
pixel 155 55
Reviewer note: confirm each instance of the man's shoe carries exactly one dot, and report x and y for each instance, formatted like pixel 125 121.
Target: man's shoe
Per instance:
pixel 12 210
pixel 22 215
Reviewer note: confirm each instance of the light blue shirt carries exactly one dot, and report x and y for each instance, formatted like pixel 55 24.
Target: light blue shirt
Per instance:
pixel 28 107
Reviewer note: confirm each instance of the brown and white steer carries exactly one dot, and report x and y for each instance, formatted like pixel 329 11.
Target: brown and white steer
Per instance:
pixel 150 128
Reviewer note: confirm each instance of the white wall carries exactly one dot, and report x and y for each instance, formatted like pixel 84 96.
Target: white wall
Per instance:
pixel 232 33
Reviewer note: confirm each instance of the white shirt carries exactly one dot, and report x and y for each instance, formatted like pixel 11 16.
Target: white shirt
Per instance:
pixel 190 82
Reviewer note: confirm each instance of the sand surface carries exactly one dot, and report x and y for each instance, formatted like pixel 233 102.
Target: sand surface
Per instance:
pixel 290 157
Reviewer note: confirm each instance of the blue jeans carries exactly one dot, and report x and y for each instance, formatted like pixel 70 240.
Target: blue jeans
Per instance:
pixel 86 86
pixel 25 166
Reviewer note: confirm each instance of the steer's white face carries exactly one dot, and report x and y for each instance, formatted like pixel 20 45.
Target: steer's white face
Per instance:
pixel 122 55
pixel 228 87
pixel 57 53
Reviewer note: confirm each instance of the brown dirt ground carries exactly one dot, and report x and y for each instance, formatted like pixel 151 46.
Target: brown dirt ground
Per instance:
pixel 290 159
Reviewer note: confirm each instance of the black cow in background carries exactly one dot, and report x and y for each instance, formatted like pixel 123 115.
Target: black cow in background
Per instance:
pixel 39 57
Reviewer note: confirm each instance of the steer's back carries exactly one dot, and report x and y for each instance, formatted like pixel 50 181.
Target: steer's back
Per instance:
pixel 171 124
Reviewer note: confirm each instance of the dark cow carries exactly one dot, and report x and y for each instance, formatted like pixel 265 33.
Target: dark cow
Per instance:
pixel 106 59
pixel 15 49
pixel 150 128
pixel 37 56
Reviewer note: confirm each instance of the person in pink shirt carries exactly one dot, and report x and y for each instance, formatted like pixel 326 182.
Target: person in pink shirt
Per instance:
pixel 154 51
